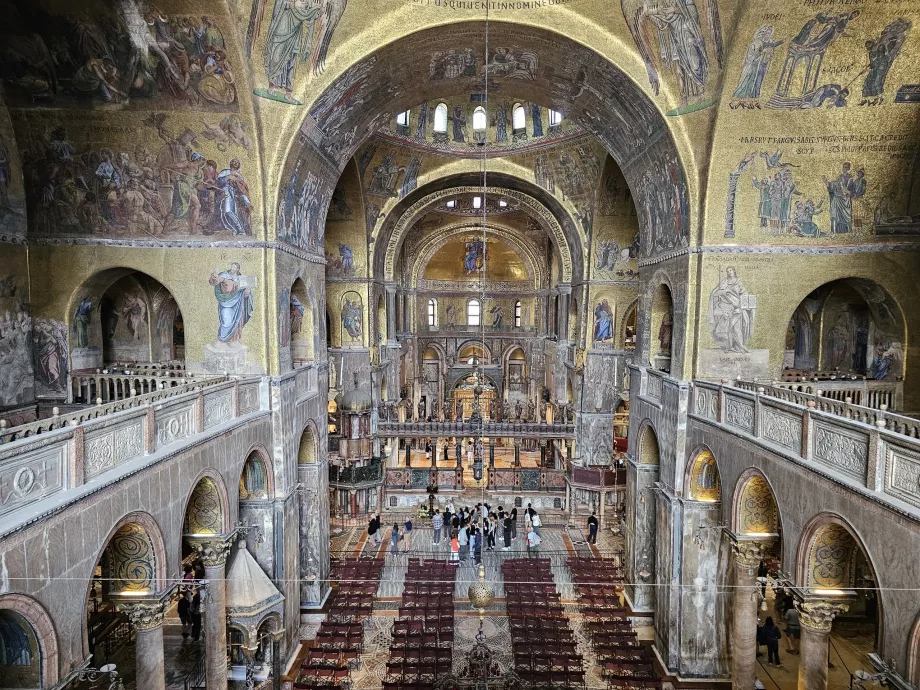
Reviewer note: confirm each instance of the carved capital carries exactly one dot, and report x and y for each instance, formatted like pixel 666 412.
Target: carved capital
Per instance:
pixel 819 615
pixel 146 615
pixel 213 552
pixel 748 554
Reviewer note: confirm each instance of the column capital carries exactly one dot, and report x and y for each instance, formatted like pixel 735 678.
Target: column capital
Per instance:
pixel 213 552
pixel 146 615
pixel 747 553
pixel 819 615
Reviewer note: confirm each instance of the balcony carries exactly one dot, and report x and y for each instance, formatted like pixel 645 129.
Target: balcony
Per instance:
pixel 464 429
pixel 596 478
pixel 351 477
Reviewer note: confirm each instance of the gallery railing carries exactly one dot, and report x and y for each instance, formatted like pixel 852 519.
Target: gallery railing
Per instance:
pixel 418 479
pixel 878 395
pixel 526 479
pixel 829 400
pixel 857 446
pixel 92 387
pixel 84 414
pixel 465 429
pixel 48 458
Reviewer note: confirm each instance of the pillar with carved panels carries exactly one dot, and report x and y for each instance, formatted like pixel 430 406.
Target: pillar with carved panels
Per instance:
pixel 147 619
pixel 816 618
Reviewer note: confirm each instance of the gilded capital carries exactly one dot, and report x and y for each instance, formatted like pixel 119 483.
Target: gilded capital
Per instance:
pixel 145 615
pixel 819 615
pixel 213 552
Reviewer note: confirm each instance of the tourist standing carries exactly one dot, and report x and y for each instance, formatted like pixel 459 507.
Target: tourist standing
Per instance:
pixel 454 550
pixel 185 612
pixel 793 630
pixel 463 538
pixel 373 531
pixel 592 529
pixel 771 637
pixel 196 615
pixel 506 525
pixel 533 544
pixel 527 521
pixel 407 534
pixel 394 539
pixel 437 522
pixel 477 545
pixel 536 522
pixel 490 533
pixel 513 523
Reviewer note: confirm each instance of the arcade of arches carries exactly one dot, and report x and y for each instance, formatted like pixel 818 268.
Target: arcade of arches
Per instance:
pixel 279 278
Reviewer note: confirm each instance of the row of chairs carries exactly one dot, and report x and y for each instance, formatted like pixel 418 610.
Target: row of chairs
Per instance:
pixel 626 663
pixel 340 639
pixel 423 635
pixel 544 647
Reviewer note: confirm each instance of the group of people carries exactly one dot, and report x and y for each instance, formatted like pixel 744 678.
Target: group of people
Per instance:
pixel 769 634
pixel 467 529
pixel 189 606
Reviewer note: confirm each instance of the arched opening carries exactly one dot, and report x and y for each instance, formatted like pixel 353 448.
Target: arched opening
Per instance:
pixel 518 119
pixel 833 562
pixel 432 391
pixel 479 119
pixel 851 332
pixel 121 320
pixel 205 516
pixel 573 321
pixel 473 312
pixel 28 644
pixel 300 324
pixel 662 327
pixel 516 375
pixel 630 324
pixel 473 353
pixel 703 482
pixel 382 334
pixel 255 480
pixel 648 447
pixel 432 312
pixel 306 455
pixel 440 119
pixel 463 396
pixel 130 565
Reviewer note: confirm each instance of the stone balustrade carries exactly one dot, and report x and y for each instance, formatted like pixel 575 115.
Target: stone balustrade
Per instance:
pixel 60 421
pixel 465 429
pixel 67 452
pixel 816 393
pixel 856 390
pixel 111 385
pixel 829 437
pixel 596 477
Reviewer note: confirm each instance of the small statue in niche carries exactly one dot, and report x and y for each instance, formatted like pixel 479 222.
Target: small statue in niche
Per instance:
pixel 496 415
pixel 664 334
pixel 421 410
pixel 518 410
pixel 459 414
pixel 382 411
pixel 530 411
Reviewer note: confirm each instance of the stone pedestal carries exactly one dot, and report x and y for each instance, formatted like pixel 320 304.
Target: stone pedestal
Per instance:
pixel 147 619
pixel 214 556
pixel 745 602
pixel 816 619
pixel 225 357
pixel 85 358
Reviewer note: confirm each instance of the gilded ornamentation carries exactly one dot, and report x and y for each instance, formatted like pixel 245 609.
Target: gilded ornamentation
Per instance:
pixel 830 564
pixel 819 615
pixel 133 560
pixel 748 554
pixel 706 485
pixel 758 508
pixel 146 615
pixel 204 514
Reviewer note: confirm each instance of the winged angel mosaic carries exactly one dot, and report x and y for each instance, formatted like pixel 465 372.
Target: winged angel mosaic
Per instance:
pixel 300 31
pixel 670 35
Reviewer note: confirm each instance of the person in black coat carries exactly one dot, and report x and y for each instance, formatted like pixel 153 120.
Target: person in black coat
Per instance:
pixel 592 529
pixel 196 616
pixel 513 515
pixel 507 533
pixel 184 608
pixel 771 635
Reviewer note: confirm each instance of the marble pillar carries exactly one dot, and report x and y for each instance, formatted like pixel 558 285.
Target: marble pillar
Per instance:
pixel 147 619
pixel 214 557
pixel 517 452
pixel 816 619
pixel 745 602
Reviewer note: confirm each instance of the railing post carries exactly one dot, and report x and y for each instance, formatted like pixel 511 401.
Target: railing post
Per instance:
pixel 199 413
pixel 757 405
pixel 150 431
pixel 235 398
pixel 720 402
pixel 76 455
pixel 806 430
pixel 875 462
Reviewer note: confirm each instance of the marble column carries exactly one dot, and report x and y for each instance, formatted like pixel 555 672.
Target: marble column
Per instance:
pixel 214 556
pixel 147 619
pixel 408 452
pixel 745 602
pixel 816 619
pixel 491 452
pixel 517 452
pixel 543 453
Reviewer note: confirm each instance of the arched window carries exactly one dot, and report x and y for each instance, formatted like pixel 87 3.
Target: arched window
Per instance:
pixel 440 118
pixel 555 117
pixel 472 312
pixel 517 314
pixel 518 118
pixel 479 119
pixel 432 312
pixel 403 118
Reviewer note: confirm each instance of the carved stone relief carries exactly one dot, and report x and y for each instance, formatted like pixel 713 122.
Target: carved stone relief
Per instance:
pixel 781 428
pixel 842 450
pixel 31 478
pixel 740 414
pixel 174 427
pixel 109 450
pixel 217 409
pixel 902 475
